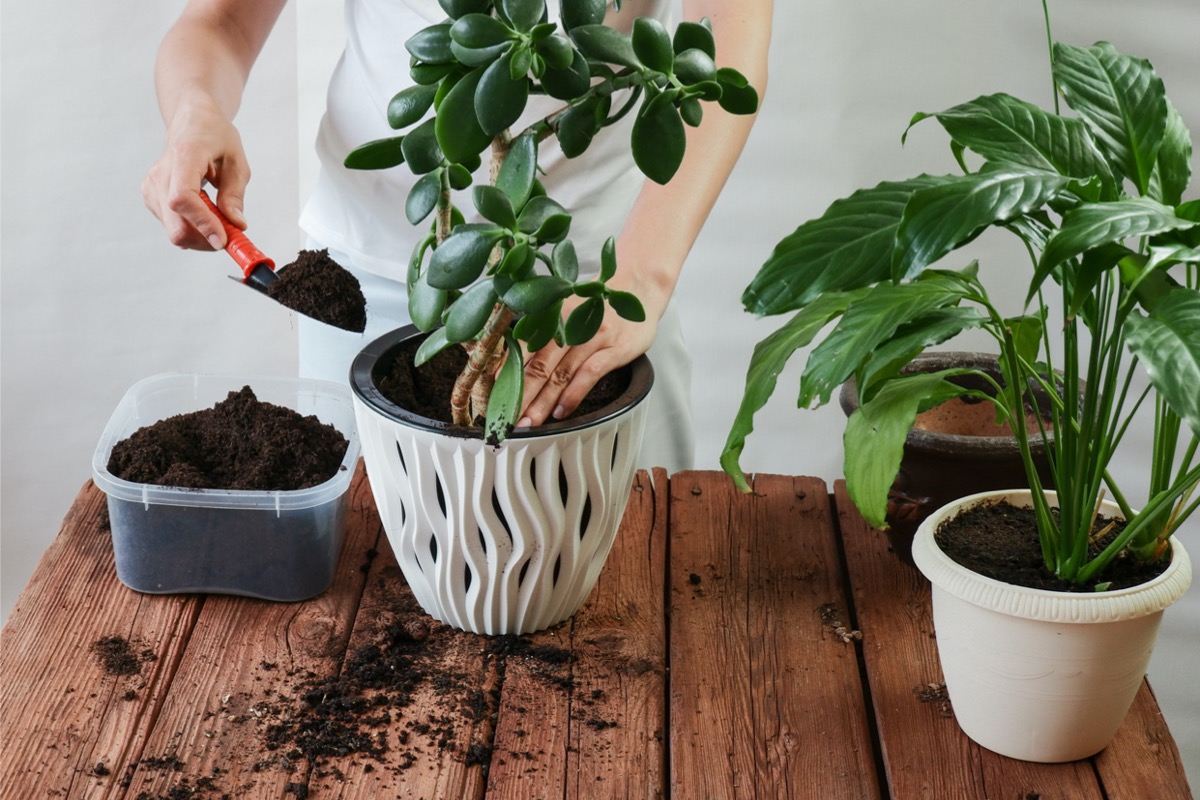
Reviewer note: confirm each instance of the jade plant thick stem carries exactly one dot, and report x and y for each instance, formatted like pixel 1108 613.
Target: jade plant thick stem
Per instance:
pixel 1097 200
pixel 498 286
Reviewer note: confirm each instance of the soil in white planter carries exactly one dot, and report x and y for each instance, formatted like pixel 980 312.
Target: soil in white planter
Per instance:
pixel 1000 541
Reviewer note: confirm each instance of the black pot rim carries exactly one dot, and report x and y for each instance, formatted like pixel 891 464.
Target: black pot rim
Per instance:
pixel 935 440
pixel 362 383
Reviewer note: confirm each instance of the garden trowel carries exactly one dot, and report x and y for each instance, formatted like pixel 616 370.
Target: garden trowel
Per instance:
pixel 259 271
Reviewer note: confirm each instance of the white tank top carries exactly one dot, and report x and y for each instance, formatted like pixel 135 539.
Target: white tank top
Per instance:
pixel 361 213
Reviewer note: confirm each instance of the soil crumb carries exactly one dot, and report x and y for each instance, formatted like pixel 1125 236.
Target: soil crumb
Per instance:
pixel 1000 541
pixel 317 286
pixel 240 443
pixel 117 656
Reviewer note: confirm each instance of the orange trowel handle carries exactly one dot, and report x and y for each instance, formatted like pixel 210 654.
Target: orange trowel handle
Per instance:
pixel 237 245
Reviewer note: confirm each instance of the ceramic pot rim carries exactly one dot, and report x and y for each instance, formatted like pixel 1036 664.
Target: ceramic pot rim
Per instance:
pixel 1040 604
pixel 363 385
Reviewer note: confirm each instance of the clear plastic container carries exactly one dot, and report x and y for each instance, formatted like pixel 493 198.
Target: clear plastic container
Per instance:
pixel 273 545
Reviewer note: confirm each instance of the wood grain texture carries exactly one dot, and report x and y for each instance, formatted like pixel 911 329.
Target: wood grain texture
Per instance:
pixel 766 700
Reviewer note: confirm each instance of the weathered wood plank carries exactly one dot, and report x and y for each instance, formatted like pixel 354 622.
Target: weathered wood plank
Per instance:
pixel 926 754
pixel 70 721
pixel 765 698
pixel 1143 760
pixel 236 676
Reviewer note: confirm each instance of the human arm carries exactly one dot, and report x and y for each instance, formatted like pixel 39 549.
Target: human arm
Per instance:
pixel 662 226
pixel 202 67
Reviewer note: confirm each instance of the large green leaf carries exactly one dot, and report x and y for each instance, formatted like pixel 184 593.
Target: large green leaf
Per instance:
pixel 689 35
pixel 658 139
pixel 1003 129
pixel 695 66
pixel 518 170
pixel 409 105
pixel 570 82
pixel 578 125
pixel 584 322
pixel 1120 99
pixel 652 44
pixel 1167 342
pixel 493 204
pixel 434 343
pixel 478 31
pixel 536 294
pixel 459 133
pixel 431 45
pixel 421 149
pixel 767 362
pixel 847 247
pixel 377 154
pixel 505 401
pixel 737 95
pixel 910 339
pixel 459 260
pixel 469 313
pixel 537 211
pixel 604 44
pixel 523 14
pixel 1173 170
pixel 868 323
pixel 940 218
pixel 423 197
pixel 426 304
pixel 582 12
pixel 875 434
pixel 499 99
pixel 458 8
pixel 1091 225
pixel 626 305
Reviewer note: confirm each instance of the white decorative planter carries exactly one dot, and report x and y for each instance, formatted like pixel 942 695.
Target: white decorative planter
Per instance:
pixel 498 540
pixel 1041 675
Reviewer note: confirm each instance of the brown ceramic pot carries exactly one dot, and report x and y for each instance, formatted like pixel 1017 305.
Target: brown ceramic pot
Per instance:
pixel 956 449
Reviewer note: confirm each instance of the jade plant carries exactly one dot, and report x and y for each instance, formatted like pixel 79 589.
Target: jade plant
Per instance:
pixel 497 287
pixel 1110 302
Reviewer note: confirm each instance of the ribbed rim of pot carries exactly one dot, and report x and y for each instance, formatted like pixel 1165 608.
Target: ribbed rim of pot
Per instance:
pixel 968 446
pixel 1040 604
pixel 362 383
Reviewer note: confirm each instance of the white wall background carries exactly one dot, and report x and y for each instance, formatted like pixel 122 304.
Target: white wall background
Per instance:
pixel 94 298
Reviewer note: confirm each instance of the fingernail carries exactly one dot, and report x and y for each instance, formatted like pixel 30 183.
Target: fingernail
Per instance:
pixel 215 241
pixel 559 412
pixel 524 422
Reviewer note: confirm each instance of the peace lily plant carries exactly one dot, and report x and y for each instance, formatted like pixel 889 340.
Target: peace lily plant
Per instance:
pixel 1097 200
pixel 469 282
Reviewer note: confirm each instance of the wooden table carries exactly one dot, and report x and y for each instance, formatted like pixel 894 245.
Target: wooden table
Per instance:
pixel 762 646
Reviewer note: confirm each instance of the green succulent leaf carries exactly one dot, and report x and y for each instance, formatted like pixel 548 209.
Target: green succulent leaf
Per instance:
pixel 693 35
pixel 608 259
pixel 1121 101
pixel 537 293
pixel 940 218
pixel 481 57
pixel 536 212
pixel 479 31
pixel 584 322
pixel 434 343
pixel 652 44
pixel 421 149
pixel 658 139
pixel 868 323
pixel 426 304
pixel 409 105
pixel 539 328
pixel 378 154
pixel 575 13
pixel 1091 225
pixel 505 401
pixel 460 176
pixel 459 132
pixel 460 259
pixel 695 66
pixel 519 169
pixel 737 95
pixel 577 127
pixel 494 205
pixel 517 263
pixel 499 99
pixel 469 313
pixel 564 262
pixel 848 247
pixel 604 44
pixel 767 362
pixel 1003 129
pixel 557 51
pixel 1167 342
pixel 423 197
pixel 626 305
pixel 523 14
pixel 691 111
pixel 875 434
pixel 431 45
pixel 460 8
pixel 570 82
pixel 430 74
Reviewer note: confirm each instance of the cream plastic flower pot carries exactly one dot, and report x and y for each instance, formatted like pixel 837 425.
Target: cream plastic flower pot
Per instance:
pixel 502 539
pixel 1041 675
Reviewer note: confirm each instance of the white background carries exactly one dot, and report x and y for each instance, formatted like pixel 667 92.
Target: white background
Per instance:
pixel 94 298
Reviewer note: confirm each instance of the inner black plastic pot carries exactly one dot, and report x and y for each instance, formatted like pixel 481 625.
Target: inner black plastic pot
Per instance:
pixel 938 467
pixel 377 358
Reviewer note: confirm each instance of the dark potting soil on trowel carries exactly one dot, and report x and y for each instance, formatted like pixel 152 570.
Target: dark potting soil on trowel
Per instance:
pixel 1000 541
pixel 317 286
pixel 240 443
